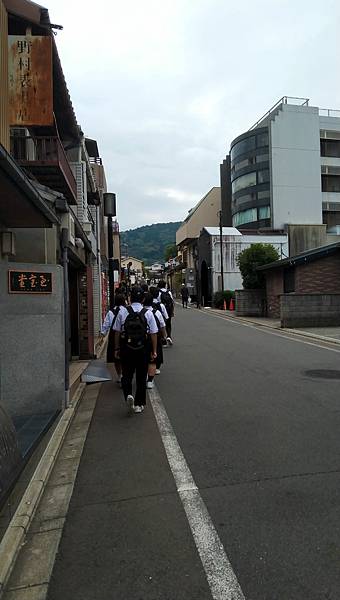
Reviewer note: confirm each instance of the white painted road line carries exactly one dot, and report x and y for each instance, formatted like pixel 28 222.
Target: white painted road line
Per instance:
pixel 219 572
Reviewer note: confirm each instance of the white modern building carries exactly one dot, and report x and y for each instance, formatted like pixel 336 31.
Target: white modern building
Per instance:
pixel 233 242
pixel 286 169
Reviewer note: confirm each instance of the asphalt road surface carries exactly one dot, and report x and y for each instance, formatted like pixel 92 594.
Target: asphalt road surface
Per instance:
pixel 256 414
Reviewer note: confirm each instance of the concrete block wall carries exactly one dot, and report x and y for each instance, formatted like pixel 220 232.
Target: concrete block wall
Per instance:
pixel 250 303
pixel 310 310
pixel 32 346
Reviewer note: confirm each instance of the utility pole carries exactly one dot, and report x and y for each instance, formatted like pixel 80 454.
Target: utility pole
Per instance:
pixel 109 212
pixel 221 250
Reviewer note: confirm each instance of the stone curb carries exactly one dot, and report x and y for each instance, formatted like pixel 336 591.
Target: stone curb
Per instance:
pixel 23 516
pixel 307 334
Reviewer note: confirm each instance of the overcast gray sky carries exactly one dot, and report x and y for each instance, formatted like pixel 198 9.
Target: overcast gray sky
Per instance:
pixel 165 85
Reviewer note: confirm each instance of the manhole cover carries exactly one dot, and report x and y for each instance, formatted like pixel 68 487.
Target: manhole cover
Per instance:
pixel 323 373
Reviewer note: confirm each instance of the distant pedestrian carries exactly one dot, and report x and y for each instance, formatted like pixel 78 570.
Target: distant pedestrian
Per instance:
pixel 165 296
pixel 185 295
pixel 132 327
pixel 107 326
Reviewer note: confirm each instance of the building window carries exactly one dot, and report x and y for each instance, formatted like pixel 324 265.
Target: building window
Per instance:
pixel 264 212
pixel 245 216
pixel 244 146
pixel 243 182
pixel 240 165
pixel 330 148
pixel 262 140
pixel 330 183
pixel 262 158
pixel 263 176
pixel 263 194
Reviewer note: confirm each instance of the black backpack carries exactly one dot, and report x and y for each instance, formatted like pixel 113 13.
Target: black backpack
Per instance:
pixel 134 334
pixel 168 303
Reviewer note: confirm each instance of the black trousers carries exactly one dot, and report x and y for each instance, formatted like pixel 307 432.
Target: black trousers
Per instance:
pixel 168 326
pixel 159 359
pixel 134 362
pixel 185 302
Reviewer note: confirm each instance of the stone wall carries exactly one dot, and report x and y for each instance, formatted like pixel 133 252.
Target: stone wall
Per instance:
pixel 310 310
pixel 32 345
pixel 251 303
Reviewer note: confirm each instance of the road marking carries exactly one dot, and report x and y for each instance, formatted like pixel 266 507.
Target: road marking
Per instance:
pixel 219 572
pixel 264 329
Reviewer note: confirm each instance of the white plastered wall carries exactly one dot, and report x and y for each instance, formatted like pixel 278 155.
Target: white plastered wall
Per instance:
pixel 295 166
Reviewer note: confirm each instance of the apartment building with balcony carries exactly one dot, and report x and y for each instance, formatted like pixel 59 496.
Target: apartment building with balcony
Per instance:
pixel 285 170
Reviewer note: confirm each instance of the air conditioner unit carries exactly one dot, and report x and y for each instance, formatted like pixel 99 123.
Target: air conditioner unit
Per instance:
pixel 67 222
pixel 23 144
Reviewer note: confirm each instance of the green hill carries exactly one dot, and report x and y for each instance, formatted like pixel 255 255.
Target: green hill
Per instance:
pixel 148 242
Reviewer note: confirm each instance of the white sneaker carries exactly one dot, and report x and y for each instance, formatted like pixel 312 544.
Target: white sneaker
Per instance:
pixel 158 371
pixel 130 401
pixel 137 409
pixel 169 340
pixel 149 385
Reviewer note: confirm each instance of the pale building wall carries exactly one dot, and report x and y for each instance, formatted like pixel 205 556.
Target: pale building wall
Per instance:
pixel 205 214
pixel 295 166
pixel 137 265
pixel 232 246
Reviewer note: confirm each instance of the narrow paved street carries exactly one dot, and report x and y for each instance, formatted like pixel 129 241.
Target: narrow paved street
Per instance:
pixel 260 436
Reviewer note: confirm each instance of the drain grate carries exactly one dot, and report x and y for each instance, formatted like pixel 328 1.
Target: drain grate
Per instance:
pixel 323 373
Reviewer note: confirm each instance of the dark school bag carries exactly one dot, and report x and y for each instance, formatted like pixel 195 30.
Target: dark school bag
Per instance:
pixel 168 303
pixel 134 334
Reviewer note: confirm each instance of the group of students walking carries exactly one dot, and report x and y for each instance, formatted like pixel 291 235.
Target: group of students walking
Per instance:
pixel 139 326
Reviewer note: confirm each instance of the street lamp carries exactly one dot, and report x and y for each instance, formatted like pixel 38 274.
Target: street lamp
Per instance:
pixel 109 212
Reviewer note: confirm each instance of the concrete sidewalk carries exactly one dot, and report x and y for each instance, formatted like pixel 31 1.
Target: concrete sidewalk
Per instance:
pixel 328 334
pixel 124 535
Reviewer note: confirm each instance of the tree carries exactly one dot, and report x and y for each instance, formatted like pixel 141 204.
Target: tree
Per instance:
pixel 255 256
pixel 170 251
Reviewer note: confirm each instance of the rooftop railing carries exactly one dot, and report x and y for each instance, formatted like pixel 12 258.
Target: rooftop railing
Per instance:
pixel 329 112
pixel 284 100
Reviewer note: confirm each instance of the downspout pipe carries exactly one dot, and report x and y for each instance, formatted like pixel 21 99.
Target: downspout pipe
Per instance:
pixel 64 262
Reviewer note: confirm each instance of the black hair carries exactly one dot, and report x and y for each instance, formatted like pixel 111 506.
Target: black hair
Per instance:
pixel 162 284
pixel 148 299
pixel 119 300
pixel 137 294
pixel 145 287
pixel 154 292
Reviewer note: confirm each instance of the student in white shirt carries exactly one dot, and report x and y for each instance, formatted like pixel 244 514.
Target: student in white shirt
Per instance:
pixel 165 296
pixel 154 366
pixel 109 320
pixel 131 335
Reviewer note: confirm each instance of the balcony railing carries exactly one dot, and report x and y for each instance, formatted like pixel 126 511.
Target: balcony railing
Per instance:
pixel 43 151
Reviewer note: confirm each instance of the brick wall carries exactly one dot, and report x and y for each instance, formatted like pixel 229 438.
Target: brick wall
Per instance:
pixel 321 276
pixel 274 288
